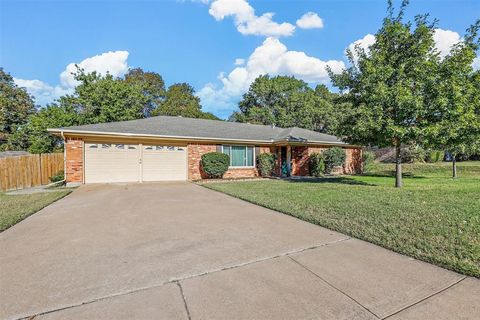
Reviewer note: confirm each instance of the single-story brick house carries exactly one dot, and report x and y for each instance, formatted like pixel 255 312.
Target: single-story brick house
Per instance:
pixel 169 148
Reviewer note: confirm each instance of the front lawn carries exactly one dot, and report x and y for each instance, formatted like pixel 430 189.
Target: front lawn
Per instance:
pixel 433 218
pixel 15 208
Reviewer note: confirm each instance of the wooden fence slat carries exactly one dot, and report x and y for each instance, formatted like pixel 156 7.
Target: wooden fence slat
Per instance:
pixel 27 171
pixel 3 174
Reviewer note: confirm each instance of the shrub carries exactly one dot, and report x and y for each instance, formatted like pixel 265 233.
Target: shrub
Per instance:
pixel 333 157
pixel 434 156
pixel 59 176
pixel 317 164
pixel 266 164
pixel 412 153
pixel 368 157
pixel 215 164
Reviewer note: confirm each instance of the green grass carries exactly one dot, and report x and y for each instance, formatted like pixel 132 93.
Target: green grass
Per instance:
pixel 433 218
pixel 15 208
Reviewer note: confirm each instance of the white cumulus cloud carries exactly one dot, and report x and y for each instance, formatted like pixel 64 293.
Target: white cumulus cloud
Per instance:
pixel 476 63
pixel 246 21
pixel 272 58
pixel 445 40
pixel 41 91
pixel 310 20
pixel 112 62
pixel 363 43
pixel 239 62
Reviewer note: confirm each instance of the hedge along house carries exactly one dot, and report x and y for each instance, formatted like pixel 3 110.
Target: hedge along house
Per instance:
pixel 170 148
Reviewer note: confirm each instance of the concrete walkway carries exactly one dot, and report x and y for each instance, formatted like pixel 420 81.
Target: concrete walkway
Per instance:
pixel 180 251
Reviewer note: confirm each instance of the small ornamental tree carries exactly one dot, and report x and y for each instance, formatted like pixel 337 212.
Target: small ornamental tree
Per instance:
pixel 317 164
pixel 333 157
pixel 455 98
pixel 215 164
pixel 386 84
pixel 266 164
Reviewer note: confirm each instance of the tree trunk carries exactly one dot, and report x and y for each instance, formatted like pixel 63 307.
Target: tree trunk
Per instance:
pixel 454 167
pixel 398 165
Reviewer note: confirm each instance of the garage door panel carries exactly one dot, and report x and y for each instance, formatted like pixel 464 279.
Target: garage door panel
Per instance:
pixel 111 163
pixel 164 163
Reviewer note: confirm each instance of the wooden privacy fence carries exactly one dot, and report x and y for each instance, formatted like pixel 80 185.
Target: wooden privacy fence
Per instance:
pixel 27 171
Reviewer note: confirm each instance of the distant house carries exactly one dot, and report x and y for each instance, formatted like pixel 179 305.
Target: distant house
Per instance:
pixel 5 154
pixel 170 148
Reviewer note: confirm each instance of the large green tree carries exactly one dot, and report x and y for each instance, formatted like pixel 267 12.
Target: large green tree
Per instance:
pixel 105 99
pixel 152 87
pixel 287 102
pixel 180 100
pixel 387 85
pixel 455 101
pixel 34 136
pixel 16 105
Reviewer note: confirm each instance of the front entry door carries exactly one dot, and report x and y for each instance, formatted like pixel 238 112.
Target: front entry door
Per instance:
pixel 285 161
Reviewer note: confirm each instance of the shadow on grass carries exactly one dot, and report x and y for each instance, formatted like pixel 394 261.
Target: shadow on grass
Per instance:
pixel 391 173
pixel 339 180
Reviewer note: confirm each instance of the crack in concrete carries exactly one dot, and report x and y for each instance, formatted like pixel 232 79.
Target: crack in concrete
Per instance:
pixel 177 280
pixel 425 298
pixel 331 285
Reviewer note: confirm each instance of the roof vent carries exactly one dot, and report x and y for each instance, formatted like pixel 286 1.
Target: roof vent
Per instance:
pixel 273 125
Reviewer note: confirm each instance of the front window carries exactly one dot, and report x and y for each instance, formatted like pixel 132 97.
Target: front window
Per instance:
pixel 240 156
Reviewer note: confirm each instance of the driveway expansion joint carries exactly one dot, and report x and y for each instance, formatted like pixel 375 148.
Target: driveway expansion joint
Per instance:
pixel 288 253
pixel 177 280
pixel 426 298
pixel 184 299
pixel 332 286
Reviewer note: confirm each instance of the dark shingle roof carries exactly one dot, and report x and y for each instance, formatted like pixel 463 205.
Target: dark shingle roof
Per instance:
pixel 180 127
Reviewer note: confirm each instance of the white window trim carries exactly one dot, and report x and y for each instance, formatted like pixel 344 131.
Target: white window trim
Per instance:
pixel 241 167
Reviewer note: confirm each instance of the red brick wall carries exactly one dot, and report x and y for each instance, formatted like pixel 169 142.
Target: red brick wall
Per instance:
pixel 74 160
pixel 354 161
pixel 195 172
pixel 300 159
pixel 195 152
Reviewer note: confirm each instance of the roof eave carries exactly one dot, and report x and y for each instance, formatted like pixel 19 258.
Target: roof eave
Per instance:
pixel 144 135
pixel 61 131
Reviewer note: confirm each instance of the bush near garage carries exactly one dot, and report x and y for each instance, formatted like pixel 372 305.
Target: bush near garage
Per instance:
pixel 316 164
pixel 59 176
pixel 266 164
pixel 215 164
pixel 333 157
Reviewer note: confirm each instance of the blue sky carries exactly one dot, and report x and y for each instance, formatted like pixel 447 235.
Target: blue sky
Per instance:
pixel 198 41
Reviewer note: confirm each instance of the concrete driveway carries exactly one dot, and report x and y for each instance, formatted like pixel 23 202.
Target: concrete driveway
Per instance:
pixel 180 251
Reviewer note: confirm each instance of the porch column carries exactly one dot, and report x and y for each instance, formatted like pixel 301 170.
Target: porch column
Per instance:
pixel 289 160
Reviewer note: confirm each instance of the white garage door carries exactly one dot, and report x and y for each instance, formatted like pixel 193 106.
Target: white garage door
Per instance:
pixel 110 162
pixel 164 163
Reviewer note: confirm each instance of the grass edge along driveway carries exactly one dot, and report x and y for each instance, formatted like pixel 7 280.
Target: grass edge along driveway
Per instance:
pixel 434 218
pixel 15 208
